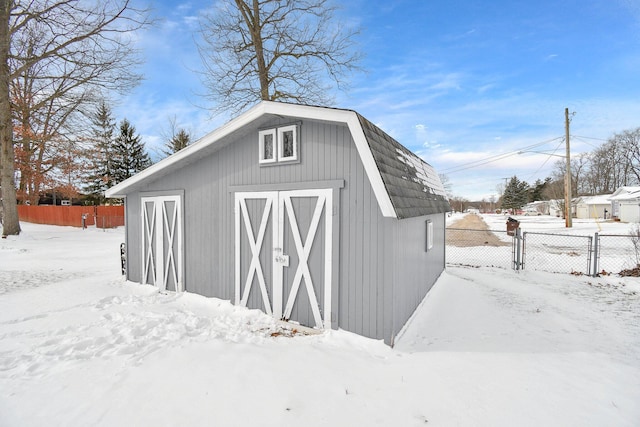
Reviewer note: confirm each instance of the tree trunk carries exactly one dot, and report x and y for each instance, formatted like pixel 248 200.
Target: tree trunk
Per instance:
pixel 251 16
pixel 10 222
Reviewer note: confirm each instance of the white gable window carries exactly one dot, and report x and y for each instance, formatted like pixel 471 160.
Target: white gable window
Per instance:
pixel 278 145
pixel 288 143
pixel 267 144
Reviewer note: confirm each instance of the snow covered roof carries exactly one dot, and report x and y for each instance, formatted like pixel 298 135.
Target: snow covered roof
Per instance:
pixel 603 199
pixel 405 186
pixel 413 185
pixel 626 193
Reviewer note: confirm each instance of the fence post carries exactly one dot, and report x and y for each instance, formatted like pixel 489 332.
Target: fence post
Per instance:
pixel 517 249
pixel 596 248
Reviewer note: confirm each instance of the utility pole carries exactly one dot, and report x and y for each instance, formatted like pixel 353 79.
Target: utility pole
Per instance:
pixel 567 177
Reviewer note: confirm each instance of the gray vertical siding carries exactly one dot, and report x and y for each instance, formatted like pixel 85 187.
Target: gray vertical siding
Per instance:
pixel 382 270
pixel 416 270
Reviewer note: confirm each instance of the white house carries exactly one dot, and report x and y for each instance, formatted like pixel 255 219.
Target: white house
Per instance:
pixel 625 204
pixel 593 207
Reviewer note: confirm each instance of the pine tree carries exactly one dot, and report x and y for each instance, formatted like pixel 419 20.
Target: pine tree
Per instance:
pixel 538 189
pixel 515 195
pixel 178 141
pixel 102 128
pixel 129 154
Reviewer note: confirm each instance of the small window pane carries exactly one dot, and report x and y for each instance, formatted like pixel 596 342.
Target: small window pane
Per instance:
pixel 287 144
pixel 268 147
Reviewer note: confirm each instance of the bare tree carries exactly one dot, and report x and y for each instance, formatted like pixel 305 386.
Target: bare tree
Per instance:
pixel 554 192
pixel 286 50
pixel 41 109
pixel 74 50
pixel 631 140
pixel 458 204
pixel 614 164
pixel 446 183
pixel 579 167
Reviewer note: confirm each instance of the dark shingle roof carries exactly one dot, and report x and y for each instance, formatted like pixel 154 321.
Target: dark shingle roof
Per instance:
pixel 413 185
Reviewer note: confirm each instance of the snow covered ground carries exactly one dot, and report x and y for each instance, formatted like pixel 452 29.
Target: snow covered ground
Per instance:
pixel 550 246
pixel 79 346
pixel 551 224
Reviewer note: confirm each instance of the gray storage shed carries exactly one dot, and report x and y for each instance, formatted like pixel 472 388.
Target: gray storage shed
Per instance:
pixel 311 214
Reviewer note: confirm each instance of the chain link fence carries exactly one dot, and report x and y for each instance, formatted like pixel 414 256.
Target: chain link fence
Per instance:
pixel 556 253
pixel 479 248
pixel 616 252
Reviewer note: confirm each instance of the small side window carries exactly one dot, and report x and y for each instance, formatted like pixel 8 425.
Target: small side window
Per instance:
pixel 288 143
pixel 429 239
pixel 267 145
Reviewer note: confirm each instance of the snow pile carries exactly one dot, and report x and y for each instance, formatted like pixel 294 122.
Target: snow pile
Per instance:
pixel 80 346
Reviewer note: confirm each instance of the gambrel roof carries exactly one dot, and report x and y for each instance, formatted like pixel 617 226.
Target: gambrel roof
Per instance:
pixel 405 186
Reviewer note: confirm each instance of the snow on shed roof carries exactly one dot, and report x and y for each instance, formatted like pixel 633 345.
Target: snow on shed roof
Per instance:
pixel 405 186
pixel 413 185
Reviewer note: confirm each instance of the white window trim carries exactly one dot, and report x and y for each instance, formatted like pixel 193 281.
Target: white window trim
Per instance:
pixel 429 235
pixel 261 135
pixel 281 131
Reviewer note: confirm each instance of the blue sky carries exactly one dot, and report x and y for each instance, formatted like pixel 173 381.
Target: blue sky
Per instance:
pixel 456 81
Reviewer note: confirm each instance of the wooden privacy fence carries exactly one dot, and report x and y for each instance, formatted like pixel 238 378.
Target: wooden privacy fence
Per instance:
pixel 75 216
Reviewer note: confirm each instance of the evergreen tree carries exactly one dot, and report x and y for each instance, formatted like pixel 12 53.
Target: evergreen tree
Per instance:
pixel 537 191
pixel 515 195
pixel 178 141
pixel 102 129
pixel 129 154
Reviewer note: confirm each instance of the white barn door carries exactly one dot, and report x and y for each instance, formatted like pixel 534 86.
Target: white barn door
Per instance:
pixel 283 248
pixel 162 242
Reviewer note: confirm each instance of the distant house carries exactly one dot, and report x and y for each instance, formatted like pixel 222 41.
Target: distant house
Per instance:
pixel 313 215
pixel 625 204
pixel 593 206
pixel 540 207
pixel 556 208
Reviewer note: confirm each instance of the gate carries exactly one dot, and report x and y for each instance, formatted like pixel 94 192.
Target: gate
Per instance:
pixel 283 254
pixel 557 253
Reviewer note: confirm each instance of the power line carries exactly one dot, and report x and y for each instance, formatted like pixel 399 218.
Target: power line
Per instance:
pixel 589 137
pixel 582 139
pixel 546 160
pixel 495 158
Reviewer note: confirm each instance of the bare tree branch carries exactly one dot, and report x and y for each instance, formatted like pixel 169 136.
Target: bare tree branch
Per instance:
pixel 294 51
pixel 56 58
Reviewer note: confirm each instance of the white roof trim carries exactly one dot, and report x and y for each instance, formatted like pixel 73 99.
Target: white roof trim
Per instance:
pixel 118 190
pixel 370 167
pixel 348 117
